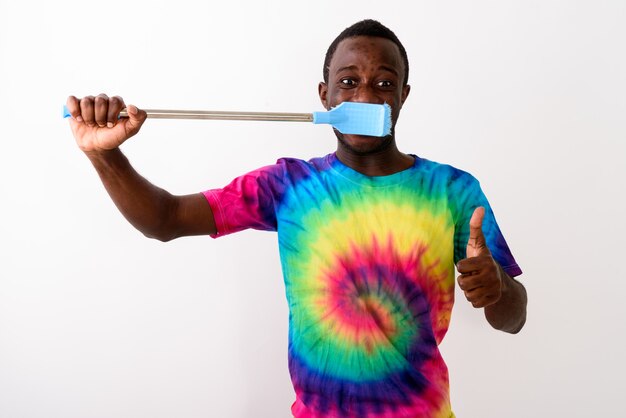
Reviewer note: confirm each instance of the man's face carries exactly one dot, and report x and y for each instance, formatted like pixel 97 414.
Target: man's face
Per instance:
pixel 369 70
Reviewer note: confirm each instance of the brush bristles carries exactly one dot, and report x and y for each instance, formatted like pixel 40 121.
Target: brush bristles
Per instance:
pixel 387 120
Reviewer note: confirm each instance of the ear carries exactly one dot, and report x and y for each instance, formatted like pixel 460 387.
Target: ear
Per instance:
pixel 405 92
pixel 322 90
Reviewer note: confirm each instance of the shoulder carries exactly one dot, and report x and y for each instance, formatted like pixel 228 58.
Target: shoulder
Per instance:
pixel 312 163
pixel 297 168
pixel 445 172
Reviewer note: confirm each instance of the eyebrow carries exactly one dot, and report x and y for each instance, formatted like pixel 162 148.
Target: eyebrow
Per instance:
pixel 382 67
pixel 390 69
pixel 348 67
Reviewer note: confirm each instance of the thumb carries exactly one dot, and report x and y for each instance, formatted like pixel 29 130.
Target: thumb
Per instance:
pixel 477 245
pixel 136 118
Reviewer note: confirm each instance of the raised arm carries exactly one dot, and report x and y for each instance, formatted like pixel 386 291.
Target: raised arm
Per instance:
pixel 152 210
pixel 486 285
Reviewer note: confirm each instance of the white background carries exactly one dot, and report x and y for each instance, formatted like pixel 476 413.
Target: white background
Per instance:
pixel 98 321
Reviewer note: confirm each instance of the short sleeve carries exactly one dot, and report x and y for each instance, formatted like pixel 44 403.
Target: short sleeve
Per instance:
pixel 468 195
pixel 249 201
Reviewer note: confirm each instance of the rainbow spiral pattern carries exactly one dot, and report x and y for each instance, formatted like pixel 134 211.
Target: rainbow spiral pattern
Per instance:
pixel 368 264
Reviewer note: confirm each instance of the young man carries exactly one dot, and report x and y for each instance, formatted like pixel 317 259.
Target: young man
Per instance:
pixel 368 237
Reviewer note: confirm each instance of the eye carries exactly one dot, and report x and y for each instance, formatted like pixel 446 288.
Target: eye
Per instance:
pixel 348 82
pixel 385 83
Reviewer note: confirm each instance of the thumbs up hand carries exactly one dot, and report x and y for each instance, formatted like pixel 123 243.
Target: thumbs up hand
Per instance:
pixel 480 276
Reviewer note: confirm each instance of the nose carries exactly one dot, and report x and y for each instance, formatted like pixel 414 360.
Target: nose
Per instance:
pixel 366 94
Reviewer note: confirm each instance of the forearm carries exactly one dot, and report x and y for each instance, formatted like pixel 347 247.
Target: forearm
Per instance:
pixel 508 314
pixel 144 205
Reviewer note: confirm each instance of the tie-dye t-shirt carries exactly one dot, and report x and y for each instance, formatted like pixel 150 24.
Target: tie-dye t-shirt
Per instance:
pixel 368 265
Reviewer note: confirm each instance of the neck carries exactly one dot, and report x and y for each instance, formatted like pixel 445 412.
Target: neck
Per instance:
pixel 381 162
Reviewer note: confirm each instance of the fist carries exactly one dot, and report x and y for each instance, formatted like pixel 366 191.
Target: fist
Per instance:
pixel 96 125
pixel 480 276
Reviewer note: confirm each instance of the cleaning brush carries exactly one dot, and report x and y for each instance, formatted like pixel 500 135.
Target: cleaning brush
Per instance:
pixel 348 117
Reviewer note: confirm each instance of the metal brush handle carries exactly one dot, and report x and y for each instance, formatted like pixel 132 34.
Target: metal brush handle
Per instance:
pixel 220 115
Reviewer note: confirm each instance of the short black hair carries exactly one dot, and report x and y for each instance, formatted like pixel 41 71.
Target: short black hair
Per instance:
pixel 367 27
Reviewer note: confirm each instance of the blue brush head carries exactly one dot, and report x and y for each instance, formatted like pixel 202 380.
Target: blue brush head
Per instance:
pixel 358 118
